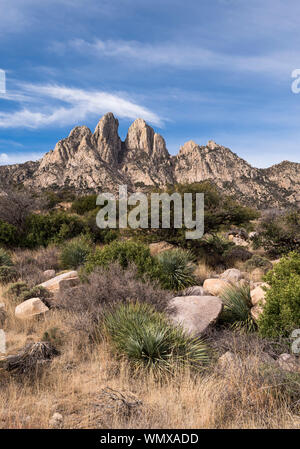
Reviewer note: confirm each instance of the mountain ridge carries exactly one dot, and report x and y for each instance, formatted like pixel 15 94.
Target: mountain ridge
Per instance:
pixel 87 162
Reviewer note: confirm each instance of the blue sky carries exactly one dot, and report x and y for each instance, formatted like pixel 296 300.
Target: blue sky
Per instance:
pixel 193 69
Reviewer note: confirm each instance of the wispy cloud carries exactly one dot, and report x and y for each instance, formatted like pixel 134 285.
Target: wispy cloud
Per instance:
pixel 46 105
pixel 184 55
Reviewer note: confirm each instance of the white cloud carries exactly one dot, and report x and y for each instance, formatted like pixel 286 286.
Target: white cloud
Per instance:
pixel 18 158
pixel 187 56
pixel 47 105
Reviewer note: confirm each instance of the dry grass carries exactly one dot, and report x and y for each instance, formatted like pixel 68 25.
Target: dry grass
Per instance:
pixel 76 383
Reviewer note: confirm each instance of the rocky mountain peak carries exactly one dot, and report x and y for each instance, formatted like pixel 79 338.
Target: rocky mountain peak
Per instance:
pixel 79 132
pixel 211 144
pixel 106 138
pixel 142 137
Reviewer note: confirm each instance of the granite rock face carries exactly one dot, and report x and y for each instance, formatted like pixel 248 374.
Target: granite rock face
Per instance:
pixel 90 162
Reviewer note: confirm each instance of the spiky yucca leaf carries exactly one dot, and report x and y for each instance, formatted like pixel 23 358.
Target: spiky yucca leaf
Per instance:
pixel 177 269
pixel 149 341
pixel 237 307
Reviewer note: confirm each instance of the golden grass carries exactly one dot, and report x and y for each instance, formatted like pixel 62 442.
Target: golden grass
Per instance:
pixel 72 385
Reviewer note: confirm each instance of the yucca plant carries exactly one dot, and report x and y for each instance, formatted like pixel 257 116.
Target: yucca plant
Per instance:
pixel 5 258
pixel 149 341
pixel 176 269
pixel 237 307
pixel 75 252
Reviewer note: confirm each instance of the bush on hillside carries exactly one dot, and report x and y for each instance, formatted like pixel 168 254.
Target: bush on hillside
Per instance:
pixel 74 253
pixel 54 227
pixel 148 341
pixel 279 235
pixel 258 262
pixel 104 289
pixel 281 313
pixel 5 258
pixel 84 204
pixel 125 253
pixel 7 274
pixel 9 235
pixel 176 269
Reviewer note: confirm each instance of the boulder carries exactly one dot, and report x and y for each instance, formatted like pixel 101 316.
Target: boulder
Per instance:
pixel 56 420
pixel 52 285
pixel 195 313
pixel 232 275
pixel 258 294
pixel 257 274
pixel 30 308
pixel 256 311
pixel 215 286
pixel 65 284
pixel 196 290
pixel 160 247
pixel 49 274
pixel 228 360
pixel 289 362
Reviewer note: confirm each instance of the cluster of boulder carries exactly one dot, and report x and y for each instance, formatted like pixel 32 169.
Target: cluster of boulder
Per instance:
pixel 199 307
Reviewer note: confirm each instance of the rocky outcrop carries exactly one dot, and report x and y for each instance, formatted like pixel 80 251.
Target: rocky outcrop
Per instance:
pixel 89 162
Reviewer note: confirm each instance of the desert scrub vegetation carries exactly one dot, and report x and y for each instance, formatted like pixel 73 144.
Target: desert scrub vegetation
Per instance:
pixel 104 289
pixel 125 253
pixel 146 338
pixel 176 269
pixel 279 234
pixel 257 261
pixel 281 313
pixel 237 308
pixel 75 252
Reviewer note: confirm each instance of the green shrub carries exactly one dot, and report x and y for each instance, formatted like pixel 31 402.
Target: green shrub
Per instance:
pixel 54 336
pixel 279 235
pixel 281 313
pixel 84 204
pixel 36 292
pixel 176 269
pixel 125 253
pixel 147 340
pixel 75 252
pixel 8 234
pixel 237 307
pixel 213 249
pixel 54 227
pixel 7 274
pixel 5 258
pixel 16 290
pixel 258 262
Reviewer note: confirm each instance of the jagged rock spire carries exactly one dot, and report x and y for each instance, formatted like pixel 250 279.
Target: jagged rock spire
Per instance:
pixel 106 138
pixel 141 136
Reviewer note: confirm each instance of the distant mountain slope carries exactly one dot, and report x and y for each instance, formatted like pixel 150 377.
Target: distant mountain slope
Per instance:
pixel 87 161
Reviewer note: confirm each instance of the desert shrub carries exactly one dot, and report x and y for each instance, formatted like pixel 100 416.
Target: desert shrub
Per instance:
pixel 147 339
pixel 257 261
pixel 213 249
pixel 279 235
pixel 5 258
pixel 237 307
pixel 8 234
pixel 55 336
pixel 84 204
pixel 176 269
pixel 125 253
pixel 75 252
pixel 15 290
pixel 36 292
pixel 30 264
pixel 104 289
pixel 54 227
pixel 236 254
pixel 15 208
pixel 281 313
pixel 7 274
